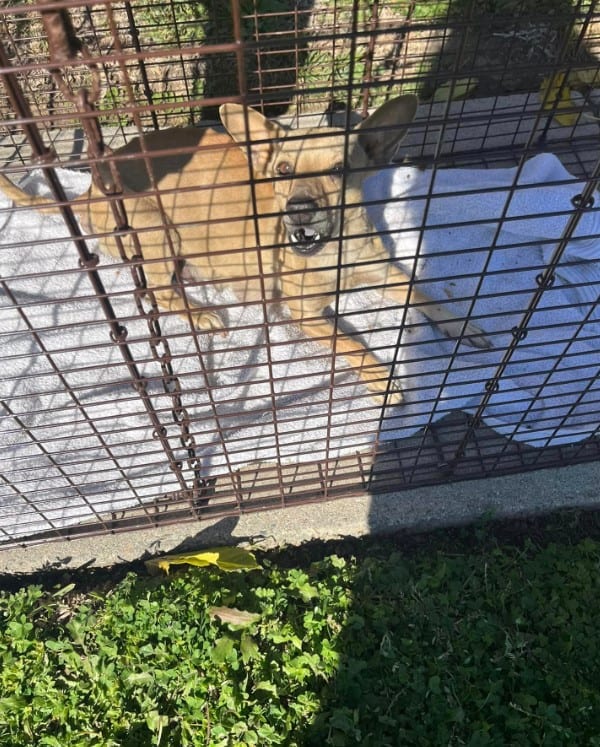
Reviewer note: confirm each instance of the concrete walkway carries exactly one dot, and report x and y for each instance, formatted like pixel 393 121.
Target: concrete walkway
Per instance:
pixel 419 509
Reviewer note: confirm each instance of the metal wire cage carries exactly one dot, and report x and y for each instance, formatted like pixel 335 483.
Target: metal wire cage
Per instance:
pixel 116 413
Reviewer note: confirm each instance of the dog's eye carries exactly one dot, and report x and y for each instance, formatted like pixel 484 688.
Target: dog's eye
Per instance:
pixel 337 169
pixel 284 168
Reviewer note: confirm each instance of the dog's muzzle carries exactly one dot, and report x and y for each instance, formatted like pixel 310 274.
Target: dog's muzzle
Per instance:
pixel 305 240
pixel 303 226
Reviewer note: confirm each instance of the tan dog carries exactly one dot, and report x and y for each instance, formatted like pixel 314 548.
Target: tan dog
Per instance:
pixel 262 212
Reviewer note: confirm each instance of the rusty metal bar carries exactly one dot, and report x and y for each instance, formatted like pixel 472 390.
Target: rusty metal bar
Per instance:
pixel 88 260
pixel 364 57
pixel 243 90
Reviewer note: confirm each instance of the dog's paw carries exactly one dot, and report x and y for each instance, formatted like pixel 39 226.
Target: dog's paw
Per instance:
pixel 208 321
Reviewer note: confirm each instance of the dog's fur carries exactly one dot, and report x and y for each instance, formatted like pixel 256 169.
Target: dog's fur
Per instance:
pixel 260 210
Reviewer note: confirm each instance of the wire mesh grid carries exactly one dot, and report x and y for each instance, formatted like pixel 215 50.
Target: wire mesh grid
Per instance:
pixel 120 410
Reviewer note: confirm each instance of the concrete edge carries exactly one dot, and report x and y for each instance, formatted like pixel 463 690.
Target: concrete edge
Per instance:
pixel 412 510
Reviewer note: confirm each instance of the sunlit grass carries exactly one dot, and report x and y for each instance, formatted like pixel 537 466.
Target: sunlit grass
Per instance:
pixel 472 646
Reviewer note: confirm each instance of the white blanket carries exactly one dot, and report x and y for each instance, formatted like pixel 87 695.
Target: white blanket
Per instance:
pixel 93 441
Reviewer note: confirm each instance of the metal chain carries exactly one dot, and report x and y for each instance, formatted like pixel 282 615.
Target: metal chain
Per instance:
pixel 65 47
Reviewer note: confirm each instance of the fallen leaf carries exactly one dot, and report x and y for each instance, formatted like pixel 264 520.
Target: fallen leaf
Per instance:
pixel 556 95
pixel 587 77
pixel 454 89
pixel 225 558
pixel 233 616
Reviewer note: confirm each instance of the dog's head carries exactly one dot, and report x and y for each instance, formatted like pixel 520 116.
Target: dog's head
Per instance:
pixel 311 168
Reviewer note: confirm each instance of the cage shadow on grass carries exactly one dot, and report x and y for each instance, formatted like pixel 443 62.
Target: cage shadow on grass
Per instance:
pixel 367 76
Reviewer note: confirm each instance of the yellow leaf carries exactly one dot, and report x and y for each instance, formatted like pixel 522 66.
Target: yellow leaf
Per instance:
pixel 455 89
pixel 588 77
pixel 555 94
pixel 225 558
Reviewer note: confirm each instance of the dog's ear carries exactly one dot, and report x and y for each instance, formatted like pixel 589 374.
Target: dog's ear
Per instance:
pixel 251 130
pixel 380 134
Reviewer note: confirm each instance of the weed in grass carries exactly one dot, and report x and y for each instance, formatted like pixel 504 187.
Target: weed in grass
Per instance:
pixel 490 647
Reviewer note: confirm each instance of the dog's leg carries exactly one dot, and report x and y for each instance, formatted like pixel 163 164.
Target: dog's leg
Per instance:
pixel 159 279
pixel 162 250
pixel 396 288
pixel 374 374
pixel 394 284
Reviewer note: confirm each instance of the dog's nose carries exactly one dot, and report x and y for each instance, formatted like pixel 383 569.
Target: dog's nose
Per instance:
pixel 300 210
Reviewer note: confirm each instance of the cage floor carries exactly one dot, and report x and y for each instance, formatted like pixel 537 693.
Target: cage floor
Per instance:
pixel 451 449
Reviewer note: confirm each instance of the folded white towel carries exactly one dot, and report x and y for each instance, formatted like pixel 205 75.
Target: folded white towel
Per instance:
pixel 97 452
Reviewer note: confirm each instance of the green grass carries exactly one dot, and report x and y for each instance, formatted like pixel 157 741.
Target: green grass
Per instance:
pixel 308 59
pixel 449 644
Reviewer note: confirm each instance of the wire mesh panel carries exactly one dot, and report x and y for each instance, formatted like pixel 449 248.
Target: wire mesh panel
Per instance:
pixel 208 308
